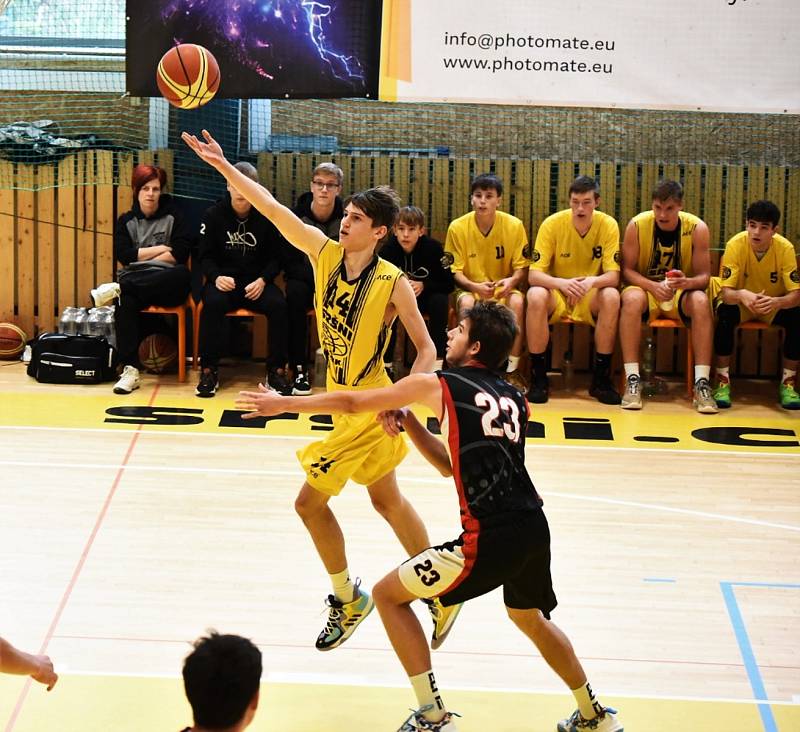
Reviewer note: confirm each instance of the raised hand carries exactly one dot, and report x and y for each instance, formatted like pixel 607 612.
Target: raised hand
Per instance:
pixel 208 151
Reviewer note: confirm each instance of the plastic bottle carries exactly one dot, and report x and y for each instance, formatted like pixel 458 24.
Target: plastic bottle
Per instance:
pixel 567 369
pixel 648 366
pixel 109 326
pixel 82 321
pixel 94 325
pixel 66 323
pixel 669 304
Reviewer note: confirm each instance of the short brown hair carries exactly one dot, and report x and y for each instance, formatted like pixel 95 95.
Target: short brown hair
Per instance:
pixel 411 215
pixel 381 204
pixel 666 189
pixel 584 184
pixel 495 327
pixel 330 169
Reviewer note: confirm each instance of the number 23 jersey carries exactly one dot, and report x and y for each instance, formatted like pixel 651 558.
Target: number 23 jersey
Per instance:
pixel 485 420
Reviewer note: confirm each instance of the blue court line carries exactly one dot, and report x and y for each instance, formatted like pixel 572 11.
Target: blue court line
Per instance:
pixel 659 579
pixel 750 664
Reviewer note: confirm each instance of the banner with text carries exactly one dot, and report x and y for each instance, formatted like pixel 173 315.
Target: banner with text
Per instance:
pixel 714 55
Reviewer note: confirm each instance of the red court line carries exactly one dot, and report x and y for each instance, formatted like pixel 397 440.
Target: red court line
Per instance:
pixel 81 562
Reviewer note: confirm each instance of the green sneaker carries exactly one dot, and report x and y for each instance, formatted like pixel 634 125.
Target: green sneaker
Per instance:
pixel 343 619
pixel 722 394
pixel 789 398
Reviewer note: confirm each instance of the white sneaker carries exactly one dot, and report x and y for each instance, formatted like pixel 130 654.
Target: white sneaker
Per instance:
pixel 703 398
pixel 632 398
pixel 128 381
pixel 105 294
pixel 603 722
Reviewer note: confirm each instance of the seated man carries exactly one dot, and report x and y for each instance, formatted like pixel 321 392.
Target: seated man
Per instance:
pixel 758 281
pixel 666 266
pixel 320 207
pixel 239 259
pixel 221 677
pixel 487 247
pixel 423 261
pixel 575 274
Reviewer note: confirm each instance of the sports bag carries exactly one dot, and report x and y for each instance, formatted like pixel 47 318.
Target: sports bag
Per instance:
pixel 58 358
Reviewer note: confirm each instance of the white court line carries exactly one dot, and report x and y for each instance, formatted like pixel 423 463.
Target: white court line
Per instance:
pixel 277 677
pixel 405 479
pixel 321 433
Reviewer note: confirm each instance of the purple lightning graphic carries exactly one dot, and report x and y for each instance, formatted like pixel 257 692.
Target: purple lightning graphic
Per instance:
pixel 257 33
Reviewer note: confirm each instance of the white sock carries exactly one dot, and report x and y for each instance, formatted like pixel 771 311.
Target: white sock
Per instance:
pixel 631 369
pixel 513 362
pixel 343 588
pixel 587 702
pixel 701 372
pixel 788 376
pixel 723 373
pixel 427 693
pixel 437 364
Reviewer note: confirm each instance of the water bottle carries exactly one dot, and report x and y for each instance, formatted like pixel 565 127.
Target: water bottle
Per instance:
pixel 94 326
pixel 82 321
pixel 648 366
pixel 669 304
pixel 66 323
pixel 320 368
pixel 108 325
pixel 567 370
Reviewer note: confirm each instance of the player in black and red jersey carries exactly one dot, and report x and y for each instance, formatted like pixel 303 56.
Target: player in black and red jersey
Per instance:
pixel 505 541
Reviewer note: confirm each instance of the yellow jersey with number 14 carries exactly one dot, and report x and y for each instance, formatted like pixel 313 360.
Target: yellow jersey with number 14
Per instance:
pixel 351 317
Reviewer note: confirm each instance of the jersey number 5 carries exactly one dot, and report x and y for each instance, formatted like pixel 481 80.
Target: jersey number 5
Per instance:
pixel 510 424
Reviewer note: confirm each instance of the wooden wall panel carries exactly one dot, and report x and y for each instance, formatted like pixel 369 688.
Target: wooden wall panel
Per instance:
pixel 25 248
pixel 46 250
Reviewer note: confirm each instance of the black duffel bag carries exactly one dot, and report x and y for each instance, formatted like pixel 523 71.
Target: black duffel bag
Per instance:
pixel 58 358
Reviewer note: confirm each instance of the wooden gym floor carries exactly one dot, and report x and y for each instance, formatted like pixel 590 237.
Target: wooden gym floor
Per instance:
pixel 130 525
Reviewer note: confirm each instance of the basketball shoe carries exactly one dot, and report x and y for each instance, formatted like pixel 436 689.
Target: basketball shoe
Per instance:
pixel 443 619
pixel 417 723
pixel 105 294
pixel 703 399
pixel 632 398
pixel 276 379
pixel 208 384
pixel 516 379
pixel 343 618
pixel 788 397
pixel 722 395
pixel 301 387
pixel 128 380
pixel 603 722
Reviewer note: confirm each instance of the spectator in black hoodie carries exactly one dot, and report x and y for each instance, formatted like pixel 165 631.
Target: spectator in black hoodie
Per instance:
pixel 424 261
pixel 239 250
pixel 152 241
pixel 320 207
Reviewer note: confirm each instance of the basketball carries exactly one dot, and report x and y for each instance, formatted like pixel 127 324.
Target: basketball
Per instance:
pixel 188 76
pixel 157 353
pixel 12 341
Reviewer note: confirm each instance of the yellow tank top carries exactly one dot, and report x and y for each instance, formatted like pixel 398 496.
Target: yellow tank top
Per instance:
pixel 351 317
pixel 656 258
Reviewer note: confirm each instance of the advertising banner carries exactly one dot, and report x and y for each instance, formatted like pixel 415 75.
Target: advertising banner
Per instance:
pixel 709 55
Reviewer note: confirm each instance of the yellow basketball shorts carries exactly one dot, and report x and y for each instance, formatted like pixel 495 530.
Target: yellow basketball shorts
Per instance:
pixel 581 312
pixel 656 312
pixel 357 448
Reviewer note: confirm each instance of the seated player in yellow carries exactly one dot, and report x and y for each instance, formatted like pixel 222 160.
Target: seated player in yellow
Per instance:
pixel 575 274
pixel 357 297
pixel 665 268
pixel 758 281
pixel 487 248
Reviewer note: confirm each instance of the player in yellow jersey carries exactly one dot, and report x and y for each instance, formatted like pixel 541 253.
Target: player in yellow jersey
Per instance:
pixel 665 240
pixel 487 247
pixel 358 295
pixel 758 281
pixel 575 273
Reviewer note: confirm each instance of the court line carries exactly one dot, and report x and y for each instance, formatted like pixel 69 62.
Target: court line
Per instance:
pixel 297 473
pixel 746 649
pixel 79 567
pixel 321 433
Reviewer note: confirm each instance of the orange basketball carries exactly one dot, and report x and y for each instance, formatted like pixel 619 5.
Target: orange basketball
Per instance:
pixel 188 76
pixel 12 341
pixel 157 353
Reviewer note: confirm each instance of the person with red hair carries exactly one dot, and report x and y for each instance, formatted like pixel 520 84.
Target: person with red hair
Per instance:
pixel 152 241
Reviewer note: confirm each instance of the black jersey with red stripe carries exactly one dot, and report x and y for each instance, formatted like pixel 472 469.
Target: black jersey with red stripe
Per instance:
pixel 485 419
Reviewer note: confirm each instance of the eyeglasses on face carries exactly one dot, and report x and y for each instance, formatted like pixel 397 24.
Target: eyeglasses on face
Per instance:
pixel 322 186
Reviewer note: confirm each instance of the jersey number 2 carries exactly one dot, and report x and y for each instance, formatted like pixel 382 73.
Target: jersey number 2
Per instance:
pixel 510 426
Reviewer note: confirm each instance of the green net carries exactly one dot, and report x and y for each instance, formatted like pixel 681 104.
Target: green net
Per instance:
pixel 62 91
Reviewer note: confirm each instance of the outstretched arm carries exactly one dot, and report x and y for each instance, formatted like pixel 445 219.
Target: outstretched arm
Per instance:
pixel 306 238
pixel 14 661
pixel 416 388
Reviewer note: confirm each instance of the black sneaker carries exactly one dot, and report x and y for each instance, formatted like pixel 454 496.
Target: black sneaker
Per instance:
pixel 539 392
pixel 301 387
pixel 603 390
pixel 208 384
pixel 276 378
